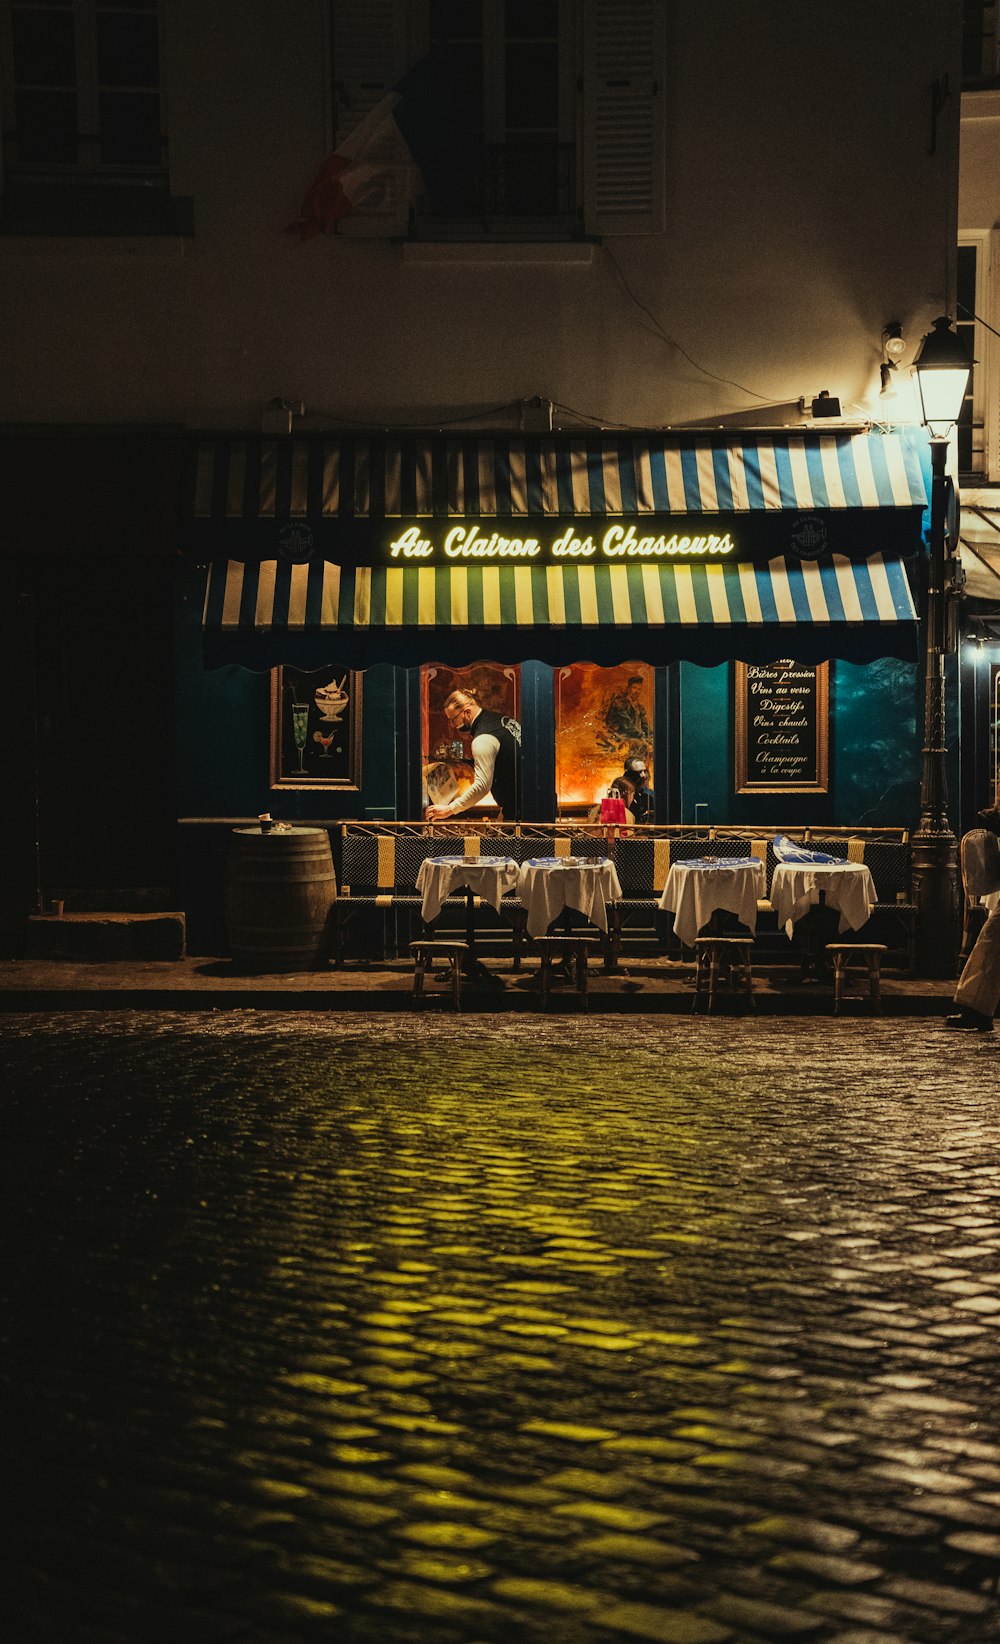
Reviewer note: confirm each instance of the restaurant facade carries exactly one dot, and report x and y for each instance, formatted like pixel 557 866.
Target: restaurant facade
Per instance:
pixel 741 612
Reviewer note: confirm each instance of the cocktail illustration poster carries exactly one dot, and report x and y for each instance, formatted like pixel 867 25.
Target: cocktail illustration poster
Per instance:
pixel 315 728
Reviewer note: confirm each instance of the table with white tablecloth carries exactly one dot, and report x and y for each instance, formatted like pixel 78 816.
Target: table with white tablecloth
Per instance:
pixel 847 887
pixel 547 885
pixel 488 877
pixel 694 890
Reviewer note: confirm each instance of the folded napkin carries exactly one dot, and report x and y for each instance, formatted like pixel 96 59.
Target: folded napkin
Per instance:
pixel 717 862
pixel 786 850
pixel 473 861
pixel 565 861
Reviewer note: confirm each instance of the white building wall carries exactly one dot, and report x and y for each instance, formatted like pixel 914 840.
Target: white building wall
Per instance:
pixel 804 210
pixel 979 226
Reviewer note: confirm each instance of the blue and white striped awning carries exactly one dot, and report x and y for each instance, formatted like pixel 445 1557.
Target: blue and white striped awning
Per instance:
pixel 397 477
pixel 656 613
pixel 245 490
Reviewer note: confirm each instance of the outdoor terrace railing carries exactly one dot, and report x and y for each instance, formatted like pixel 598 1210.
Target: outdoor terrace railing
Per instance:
pixel 378 862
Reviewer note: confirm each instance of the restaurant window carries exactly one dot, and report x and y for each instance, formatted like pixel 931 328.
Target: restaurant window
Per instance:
pixel 603 717
pixel 84 147
pixel 446 754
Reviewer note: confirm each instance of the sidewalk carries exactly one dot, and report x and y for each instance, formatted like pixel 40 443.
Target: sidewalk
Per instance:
pixel 202 983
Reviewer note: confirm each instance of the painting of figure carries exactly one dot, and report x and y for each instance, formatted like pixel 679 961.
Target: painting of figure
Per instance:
pixel 603 717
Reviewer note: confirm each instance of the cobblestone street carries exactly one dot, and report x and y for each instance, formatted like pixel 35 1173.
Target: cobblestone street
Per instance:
pixel 432 1330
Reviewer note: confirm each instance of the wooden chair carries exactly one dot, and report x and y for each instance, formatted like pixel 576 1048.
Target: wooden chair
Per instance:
pixel 453 953
pixel 722 965
pixel 569 948
pixel 865 957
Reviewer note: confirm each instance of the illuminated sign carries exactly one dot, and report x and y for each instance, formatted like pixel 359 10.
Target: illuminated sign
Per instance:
pixel 476 542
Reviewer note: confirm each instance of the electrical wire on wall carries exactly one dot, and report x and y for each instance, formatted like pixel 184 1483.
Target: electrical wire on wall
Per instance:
pixel 658 330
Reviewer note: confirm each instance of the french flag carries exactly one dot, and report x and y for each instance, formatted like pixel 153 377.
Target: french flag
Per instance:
pixel 420 125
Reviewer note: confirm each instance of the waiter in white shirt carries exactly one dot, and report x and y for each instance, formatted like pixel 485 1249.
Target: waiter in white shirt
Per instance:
pixel 496 754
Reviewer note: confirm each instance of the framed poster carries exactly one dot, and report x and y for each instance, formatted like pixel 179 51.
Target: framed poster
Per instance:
pixel 316 729
pixel 782 727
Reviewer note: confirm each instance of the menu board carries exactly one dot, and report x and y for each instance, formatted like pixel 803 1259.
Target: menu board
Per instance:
pixel 782 723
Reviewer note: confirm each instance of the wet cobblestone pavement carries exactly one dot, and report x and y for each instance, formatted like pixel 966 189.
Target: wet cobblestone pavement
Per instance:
pixel 431 1331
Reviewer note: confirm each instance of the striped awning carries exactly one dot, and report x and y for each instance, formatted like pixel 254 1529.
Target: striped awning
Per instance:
pixel 317 613
pixel 320 496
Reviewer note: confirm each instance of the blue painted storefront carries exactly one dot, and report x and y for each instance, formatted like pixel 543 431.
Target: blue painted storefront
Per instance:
pixel 875 745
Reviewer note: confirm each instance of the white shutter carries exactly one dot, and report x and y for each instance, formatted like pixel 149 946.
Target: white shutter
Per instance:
pixel 624 126
pixel 369 51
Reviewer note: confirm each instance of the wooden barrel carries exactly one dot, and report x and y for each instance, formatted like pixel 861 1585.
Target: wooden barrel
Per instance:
pixel 280 889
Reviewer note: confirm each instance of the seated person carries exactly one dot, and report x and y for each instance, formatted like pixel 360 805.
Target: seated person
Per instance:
pixel 644 801
pixel 621 788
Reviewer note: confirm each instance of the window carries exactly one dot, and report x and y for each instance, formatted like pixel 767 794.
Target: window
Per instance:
pixel 603 717
pixel 446 755
pixel 980 44
pixel 86 84
pixel 536 119
pixel 515 109
pixel 84 146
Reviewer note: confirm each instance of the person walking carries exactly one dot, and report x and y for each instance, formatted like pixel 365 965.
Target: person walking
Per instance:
pixel 978 991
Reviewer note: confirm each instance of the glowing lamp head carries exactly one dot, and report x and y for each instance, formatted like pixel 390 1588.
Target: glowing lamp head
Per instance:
pixel 942 368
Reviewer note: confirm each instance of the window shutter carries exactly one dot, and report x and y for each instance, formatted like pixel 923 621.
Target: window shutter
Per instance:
pixel 369 56
pixel 624 129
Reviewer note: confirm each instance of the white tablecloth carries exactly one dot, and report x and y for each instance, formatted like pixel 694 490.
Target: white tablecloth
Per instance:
pixel 848 887
pixel 692 894
pixel 486 876
pixel 547 887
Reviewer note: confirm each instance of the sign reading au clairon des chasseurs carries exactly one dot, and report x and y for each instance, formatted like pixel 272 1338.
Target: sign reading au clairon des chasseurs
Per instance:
pixel 666 539
pixel 511 540
pixel 471 543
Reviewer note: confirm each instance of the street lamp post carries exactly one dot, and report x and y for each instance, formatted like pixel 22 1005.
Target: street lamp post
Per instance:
pixel 942 370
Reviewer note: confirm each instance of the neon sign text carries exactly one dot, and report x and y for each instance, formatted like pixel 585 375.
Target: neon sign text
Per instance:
pixel 619 543
pixel 465 542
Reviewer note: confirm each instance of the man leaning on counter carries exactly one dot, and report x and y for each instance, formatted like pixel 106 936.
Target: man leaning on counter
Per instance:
pixel 496 754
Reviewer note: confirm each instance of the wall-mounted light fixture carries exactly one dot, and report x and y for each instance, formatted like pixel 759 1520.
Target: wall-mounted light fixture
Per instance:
pixel 888 388
pixel 893 342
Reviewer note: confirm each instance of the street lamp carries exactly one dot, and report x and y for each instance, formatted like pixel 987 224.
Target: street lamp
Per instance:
pixel 942 369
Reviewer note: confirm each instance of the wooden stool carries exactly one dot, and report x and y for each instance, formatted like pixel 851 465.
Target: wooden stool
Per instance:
pixel 722 964
pixel 569 947
pixel 424 953
pixel 862 956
